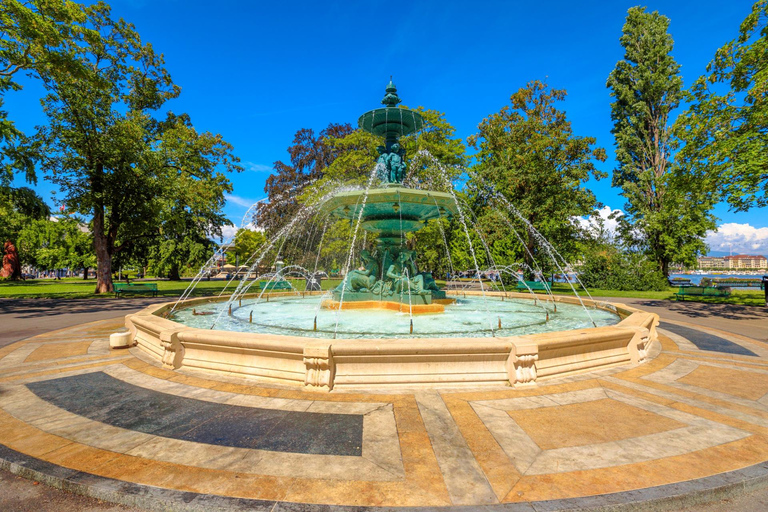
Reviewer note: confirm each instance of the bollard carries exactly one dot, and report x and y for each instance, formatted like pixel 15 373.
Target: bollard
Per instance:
pixel 250 318
pixel 547 320
pixel 315 328
pixel 230 310
pixel 499 322
pixel 411 325
pixel 239 303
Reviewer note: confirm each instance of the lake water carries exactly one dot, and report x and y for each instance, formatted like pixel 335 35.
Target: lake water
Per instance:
pixel 696 278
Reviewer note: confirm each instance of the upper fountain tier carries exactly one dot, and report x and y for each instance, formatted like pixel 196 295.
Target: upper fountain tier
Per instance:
pixel 391 121
pixel 389 209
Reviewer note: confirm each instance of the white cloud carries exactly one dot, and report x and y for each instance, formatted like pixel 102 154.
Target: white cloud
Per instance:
pixel 228 232
pixel 738 238
pixel 239 201
pixel 606 219
pixel 250 166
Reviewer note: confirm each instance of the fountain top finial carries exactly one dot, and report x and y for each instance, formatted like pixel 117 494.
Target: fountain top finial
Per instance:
pixel 391 99
pixel 391 121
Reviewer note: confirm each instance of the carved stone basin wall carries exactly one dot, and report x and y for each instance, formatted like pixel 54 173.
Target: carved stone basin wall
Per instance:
pixel 327 364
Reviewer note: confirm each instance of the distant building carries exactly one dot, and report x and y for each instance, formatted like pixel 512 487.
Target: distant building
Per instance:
pixel 745 261
pixel 711 262
pixel 740 261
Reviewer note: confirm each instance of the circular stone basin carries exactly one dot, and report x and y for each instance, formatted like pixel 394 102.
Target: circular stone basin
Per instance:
pixel 470 316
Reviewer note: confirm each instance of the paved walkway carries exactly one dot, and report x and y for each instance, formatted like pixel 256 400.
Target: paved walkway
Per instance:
pixel 692 421
pixel 23 318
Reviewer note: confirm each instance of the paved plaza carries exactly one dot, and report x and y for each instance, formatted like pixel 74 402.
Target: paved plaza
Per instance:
pixel 688 426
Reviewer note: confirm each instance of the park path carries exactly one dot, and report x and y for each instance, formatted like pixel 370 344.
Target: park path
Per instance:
pixel 29 318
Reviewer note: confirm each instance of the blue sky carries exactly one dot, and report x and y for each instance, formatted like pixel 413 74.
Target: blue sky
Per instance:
pixel 256 72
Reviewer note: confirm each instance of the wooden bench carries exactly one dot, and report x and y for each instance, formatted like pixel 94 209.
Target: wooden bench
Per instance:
pixel 701 291
pixel 271 286
pixel 125 288
pixel 533 285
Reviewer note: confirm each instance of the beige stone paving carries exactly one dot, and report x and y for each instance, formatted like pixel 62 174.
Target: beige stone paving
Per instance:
pixel 684 414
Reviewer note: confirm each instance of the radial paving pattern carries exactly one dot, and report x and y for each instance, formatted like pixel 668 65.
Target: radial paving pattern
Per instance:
pixel 70 406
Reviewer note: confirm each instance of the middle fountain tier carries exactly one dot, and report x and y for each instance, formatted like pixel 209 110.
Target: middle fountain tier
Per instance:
pixel 388 277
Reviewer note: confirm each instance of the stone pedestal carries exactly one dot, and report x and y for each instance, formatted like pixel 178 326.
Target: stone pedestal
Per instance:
pixel 120 339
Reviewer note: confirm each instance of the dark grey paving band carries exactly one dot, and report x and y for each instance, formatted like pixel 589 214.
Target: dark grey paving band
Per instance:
pixel 100 397
pixel 661 498
pixel 706 341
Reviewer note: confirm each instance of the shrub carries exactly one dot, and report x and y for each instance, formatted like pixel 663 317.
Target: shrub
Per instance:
pixel 611 269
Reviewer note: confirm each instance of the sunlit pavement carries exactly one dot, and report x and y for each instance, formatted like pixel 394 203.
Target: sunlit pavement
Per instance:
pixel 688 426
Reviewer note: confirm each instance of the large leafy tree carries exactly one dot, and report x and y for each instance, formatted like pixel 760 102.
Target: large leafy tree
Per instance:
pixel 111 158
pixel 726 126
pixel 34 35
pixel 18 208
pixel 528 153
pixel 56 243
pixel 666 213
pixel 246 243
pixel 310 155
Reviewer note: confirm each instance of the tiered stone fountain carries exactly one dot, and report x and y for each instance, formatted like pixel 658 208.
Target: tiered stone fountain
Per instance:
pixel 390 210
pixel 292 353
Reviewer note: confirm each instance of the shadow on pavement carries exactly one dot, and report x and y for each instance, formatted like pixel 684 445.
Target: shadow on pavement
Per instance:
pixel 705 310
pixel 36 307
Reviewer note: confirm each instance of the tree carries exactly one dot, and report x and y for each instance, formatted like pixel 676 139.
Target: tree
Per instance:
pixel 725 128
pixel 665 214
pixel 310 155
pixel 18 208
pixel 246 243
pixel 56 243
pixel 528 153
pixel 33 36
pixel 110 157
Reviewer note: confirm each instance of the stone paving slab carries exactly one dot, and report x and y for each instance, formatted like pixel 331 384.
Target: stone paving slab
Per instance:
pixel 686 426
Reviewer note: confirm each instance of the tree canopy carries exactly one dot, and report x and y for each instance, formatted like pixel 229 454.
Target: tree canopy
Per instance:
pixel 111 158
pixel 665 213
pixel 310 155
pixel 528 154
pixel 726 125
pixel 34 36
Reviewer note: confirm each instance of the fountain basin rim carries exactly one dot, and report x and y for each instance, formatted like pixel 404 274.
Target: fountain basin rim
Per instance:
pixel 328 364
pixel 413 203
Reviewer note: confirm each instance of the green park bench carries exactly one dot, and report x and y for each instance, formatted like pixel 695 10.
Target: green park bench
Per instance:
pixel 701 291
pixel 271 286
pixel 533 285
pixel 126 288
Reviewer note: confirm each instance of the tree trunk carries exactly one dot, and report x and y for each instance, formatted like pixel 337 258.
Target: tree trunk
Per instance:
pixel 103 254
pixel 665 267
pixel 173 274
pixel 10 265
pixel 85 274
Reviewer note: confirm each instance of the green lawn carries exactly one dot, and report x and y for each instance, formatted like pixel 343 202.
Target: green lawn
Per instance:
pixel 743 297
pixel 77 288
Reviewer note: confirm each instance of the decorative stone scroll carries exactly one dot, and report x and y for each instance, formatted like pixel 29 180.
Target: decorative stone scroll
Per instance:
pixel 318 361
pixel 173 350
pixel 521 365
pixel 643 340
